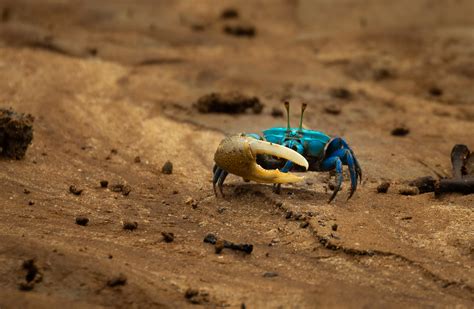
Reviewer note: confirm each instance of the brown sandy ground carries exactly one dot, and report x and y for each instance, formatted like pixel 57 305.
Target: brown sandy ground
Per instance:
pixel 115 75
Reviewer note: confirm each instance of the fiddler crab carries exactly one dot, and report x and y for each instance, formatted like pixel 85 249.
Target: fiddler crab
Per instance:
pixel 270 158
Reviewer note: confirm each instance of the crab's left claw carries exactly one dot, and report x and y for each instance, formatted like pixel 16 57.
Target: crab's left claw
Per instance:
pixel 238 155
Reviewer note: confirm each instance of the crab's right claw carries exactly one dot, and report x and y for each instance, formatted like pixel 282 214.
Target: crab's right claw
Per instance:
pixel 238 155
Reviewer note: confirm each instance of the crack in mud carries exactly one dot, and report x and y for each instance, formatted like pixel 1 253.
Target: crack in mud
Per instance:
pixel 353 252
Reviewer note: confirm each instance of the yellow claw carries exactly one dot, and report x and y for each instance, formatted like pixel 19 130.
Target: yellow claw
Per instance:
pixel 238 155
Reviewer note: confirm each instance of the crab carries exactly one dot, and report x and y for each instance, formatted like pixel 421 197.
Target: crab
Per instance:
pixel 270 158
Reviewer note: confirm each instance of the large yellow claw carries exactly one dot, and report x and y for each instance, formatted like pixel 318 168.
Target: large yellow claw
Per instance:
pixel 238 155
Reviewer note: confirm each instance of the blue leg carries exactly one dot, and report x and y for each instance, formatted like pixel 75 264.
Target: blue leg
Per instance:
pixel 221 181
pixel 217 171
pixel 328 165
pixel 338 148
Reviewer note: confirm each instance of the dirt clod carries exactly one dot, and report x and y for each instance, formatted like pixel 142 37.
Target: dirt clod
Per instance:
pixel 125 189
pixel 75 190
pixel 119 280
pixel 31 203
pixel 400 131
pixel 32 277
pixel 332 110
pixel 167 168
pixel 341 93
pixel 435 91
pixel 195 296
pixel 104 183
pixel 130 225
pixel 212 239
pixel 16 133
pixel 167 236
pixel 81 220
pixel 409 190
pixel 229 13
pixel 334 227
pixel 277 112
pixel 228 103
pixel 240 30
pixel 304 225
pixel 383 187
pixel 137 159
pixel 270 274
pixel 26 191
pixel 424 184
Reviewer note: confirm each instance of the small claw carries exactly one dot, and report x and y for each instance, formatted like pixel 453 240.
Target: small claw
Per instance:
pixel 238 155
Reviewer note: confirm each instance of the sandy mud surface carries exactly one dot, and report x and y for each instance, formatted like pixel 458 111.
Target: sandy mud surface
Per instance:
pixel 88 218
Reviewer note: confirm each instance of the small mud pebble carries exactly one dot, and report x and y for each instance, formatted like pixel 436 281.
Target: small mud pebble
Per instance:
pixel 240 30
pixel 123 188
pixel 406 218
pixel 190 201
pixel 114 151
pixel 81 220
pixel 332 110
pixel 31 203
pixel 400 131
pixel 229 13
pixel 334 227
pixel 383 187
pixel 74 190
pixel 383 74
pixel 104 183
pixel 16 133
pixel 196 297
pixel 167 236
pixel 119 280
pixel 277 112
pixel 130 225
pixel 137 159
pixel 228 103
pixel 409 191
pixel 435 91
pixel 270 274
pixel 304 225
pixel 26 191
pixel 340 93
pixel 167 168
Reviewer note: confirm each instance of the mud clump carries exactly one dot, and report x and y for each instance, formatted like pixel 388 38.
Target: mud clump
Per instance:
pixel 167 168
pixel 220 244
pixel 341 93
pixel 229 13
pixel 104 183
pixel 228 103
pixel 383 187
pixel 424 184
pixel 81 220
pixel 33 275
pixel 167 236
pixel 121 188
pixel 75 190
pixel 277 113
pixel 119 280
pixel 130 225
pixel 196 297
pixel 400 131
pixel 409 190
pixel 240 30
pixel 16 133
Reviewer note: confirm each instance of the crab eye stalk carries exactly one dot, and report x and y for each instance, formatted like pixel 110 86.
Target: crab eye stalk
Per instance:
pixel 287 107
pixel 303 107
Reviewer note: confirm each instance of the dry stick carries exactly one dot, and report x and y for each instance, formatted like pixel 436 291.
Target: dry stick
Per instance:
pixel 462 185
